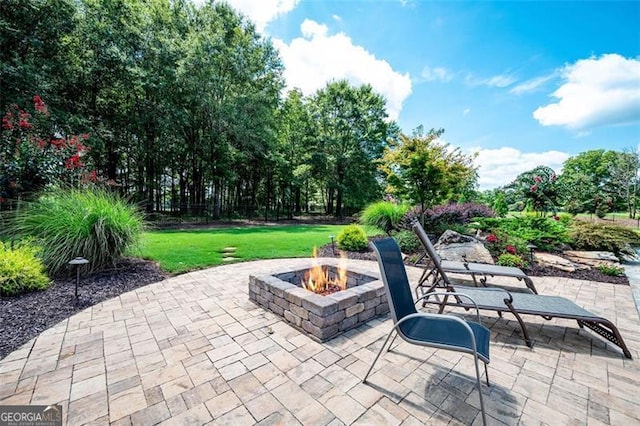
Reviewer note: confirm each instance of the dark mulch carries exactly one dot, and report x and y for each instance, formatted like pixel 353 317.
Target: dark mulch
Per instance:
pixel 24 317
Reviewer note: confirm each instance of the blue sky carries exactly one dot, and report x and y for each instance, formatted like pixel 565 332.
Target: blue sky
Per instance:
pixel 519 83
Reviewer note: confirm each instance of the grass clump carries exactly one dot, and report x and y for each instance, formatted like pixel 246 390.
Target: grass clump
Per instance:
pixel 383 215
pixel 95 224
pixel 21 271
pixel 507 259
pixel 352 238
pixel 611 270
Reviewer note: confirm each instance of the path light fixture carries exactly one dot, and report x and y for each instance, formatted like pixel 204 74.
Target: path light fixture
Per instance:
pixel 531 248
pixel 333 244
pixel 77 262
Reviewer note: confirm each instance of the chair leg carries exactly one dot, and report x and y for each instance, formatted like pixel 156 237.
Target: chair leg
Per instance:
pixel 378 356
pixel 486 374
pixel 478 382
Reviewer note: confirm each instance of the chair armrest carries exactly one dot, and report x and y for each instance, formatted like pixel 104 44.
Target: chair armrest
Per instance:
pixel 453 293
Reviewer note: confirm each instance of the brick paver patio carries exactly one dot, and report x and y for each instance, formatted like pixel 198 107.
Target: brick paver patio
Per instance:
pixel 194 350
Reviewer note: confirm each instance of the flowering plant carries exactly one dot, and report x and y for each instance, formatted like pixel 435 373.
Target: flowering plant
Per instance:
pixel 32 156
pixel 539 187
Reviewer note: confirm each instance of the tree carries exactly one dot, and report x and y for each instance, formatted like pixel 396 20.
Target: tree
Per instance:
pixel 352 131
pixel 33 52
pixel 423 170
pixel 586 176
pixel 539 188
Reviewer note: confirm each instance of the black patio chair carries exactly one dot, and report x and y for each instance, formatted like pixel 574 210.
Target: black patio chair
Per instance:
pixel 441 331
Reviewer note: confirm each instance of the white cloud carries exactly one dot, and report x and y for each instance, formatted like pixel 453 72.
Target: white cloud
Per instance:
pixel 317 58
pixel 499 167
pixel 596 92
pixel 501 80
pixel 531 85
pixel 437 73
pixel 261 12
pixel 466 111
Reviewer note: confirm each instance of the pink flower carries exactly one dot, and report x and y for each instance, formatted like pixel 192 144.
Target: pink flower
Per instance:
pixel 510 249
pixel 491 238
pixel 538 179
pixel 533 188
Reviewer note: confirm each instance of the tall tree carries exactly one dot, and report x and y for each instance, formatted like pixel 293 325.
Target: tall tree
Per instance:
pixel 32 48
pixel 352 133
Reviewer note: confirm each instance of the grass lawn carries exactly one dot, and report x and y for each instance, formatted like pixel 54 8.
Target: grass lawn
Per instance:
pixel 180 251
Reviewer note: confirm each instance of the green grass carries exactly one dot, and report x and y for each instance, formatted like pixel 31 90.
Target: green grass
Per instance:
pixel 179 251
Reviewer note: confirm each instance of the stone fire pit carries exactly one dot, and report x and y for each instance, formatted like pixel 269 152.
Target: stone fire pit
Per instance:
pixel 321 317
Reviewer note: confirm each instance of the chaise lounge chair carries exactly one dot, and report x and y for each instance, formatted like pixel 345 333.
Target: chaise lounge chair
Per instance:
pixel 448 332
pixel 518 304
pixel 481 270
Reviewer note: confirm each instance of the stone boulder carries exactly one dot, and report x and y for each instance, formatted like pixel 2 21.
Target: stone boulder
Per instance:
pixel 593 258
pixel 457 247
pixel 553 261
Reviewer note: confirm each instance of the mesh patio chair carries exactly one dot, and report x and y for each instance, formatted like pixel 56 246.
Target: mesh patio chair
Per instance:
pixel 518 304
pixel 441 331
pixel 478 271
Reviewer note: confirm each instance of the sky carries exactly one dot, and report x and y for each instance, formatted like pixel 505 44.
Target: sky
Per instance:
pixel 517 83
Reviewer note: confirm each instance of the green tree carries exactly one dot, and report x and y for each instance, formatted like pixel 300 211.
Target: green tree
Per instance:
pixel 539 188
pixel 500 204
pixel 586 176
pixel 352 131
pixel 422 170
pixel 33 49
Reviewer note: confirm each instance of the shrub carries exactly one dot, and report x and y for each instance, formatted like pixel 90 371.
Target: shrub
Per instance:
pixel 384 215
pixel 352 238
pixel 440 218
pixel 546 233
pixel 507 259
pixel 499 242
pixel 94 224
pixel 21 271
pixel 605 237
pixel 612 270
pixel 408 241
pixel 31 159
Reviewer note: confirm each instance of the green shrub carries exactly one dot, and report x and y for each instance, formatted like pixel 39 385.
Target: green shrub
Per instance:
pixel 604 237
pixel 500 242
pixel 21 271
pixel 95 224
pixel 507 259
pixel 408 241
pixel 547 233
pixel 383 215
pixel 612 270
pixel 352 238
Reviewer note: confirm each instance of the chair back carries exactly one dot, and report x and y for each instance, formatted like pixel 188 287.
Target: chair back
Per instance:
pixel 430 249
pixel 394 277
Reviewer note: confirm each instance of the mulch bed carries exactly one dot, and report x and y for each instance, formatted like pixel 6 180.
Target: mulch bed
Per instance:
pixel 24 317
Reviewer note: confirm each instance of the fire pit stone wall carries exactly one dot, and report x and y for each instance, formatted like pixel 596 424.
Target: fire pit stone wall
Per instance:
pixel 321 317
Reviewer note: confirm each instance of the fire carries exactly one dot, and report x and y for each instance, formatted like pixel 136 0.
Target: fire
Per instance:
pixel 317 279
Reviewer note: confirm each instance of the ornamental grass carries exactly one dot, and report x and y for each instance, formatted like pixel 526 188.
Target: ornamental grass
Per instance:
pixel 92 223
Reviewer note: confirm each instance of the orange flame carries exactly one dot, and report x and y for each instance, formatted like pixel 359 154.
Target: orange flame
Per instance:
pixel 317 280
